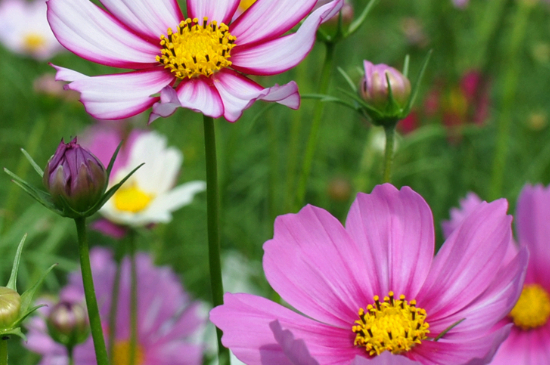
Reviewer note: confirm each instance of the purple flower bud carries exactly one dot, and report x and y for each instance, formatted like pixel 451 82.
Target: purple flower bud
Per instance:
pixel 374 86
pixel 10 305
pixel 74 177
pixel 68 323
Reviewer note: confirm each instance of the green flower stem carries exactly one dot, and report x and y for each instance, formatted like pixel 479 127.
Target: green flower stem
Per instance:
pixel 70 353
pixel 315 124
pixel 4 351
pixel 507 103
pixel 388 156
pixel 114 302
pixel 133 297
pixel 89 292
pixel 213 223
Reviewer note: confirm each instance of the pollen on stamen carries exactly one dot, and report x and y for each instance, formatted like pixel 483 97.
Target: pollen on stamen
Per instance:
pixel 195 49
pixel 393 325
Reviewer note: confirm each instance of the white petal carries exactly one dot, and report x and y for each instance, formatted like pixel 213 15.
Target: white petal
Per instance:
pixel 200 95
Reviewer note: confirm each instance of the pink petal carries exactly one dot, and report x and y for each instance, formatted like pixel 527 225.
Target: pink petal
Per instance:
pixel 93 34
pixel 518 347
pixel 279 55
pixel 385 358
pixel 468 262
pixel 533 230
pixel 201 96
pixel 116 96
pixel 295 350
pixel 245 321
pixel 313 264
pixel 147 18
pixel 239 93
pixel 109 228
pixel 166 106
pixel 394 234
pixel 268 19
pixel 219 10
pixel 467 205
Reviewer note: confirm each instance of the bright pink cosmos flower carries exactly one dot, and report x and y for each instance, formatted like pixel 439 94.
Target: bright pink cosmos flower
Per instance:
pixel 530 335
pixel 374 287
pixel 168 319
pixel 196 62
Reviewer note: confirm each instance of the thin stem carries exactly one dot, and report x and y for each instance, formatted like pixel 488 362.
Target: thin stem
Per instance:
pixel 114 301
pixel 4 351
pixel 315 124
pixel 388 156
pixel 213 220
pixel 133 297
pixel 89 292
pixel 70 353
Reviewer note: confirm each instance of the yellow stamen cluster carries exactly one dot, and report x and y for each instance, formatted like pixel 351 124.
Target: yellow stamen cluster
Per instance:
pixel 532 309
pixel 196 49
pixel 393 325
pixel 121 354
pixel 132 199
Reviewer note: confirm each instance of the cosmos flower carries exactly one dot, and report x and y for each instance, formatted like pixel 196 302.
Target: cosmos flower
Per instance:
pixel 24 29
pixel 168 317
pixel 373 287
pixel 530 335
pixel 149 196
pixel 198 62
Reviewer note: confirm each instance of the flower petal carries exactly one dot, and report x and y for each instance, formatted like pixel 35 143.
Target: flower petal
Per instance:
pixel 394 233
pixel 116 96
pixel 219 10
pixel 312 263
pixel 385 358
pixel 166 106
pixel 245 321
pixel 239 93
pixel 282 54
pixel 467 205
pixel 145 17
pixel 88 31
pixel 468 261
pixel 178 197
pixel 201 96
pixel 268 19
pixel 295 350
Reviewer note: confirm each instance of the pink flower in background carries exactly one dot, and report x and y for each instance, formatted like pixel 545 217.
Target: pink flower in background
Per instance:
pixel 24 29
pixel 530 335
pixel 168 319
pixel 461 3
pixel 196 62
pixel 373 287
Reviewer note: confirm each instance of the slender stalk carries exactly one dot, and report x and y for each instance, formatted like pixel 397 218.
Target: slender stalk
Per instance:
pixel 315 124
pixel 89 292
pixel 114 302
pixel 213 220
pixel 388 156
pixel 70 353
pixel 133 297
pixel 4 351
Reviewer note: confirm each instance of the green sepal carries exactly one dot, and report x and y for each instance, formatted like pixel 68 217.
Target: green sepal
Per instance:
pixel 346 77
pixel 40 196
pixel 330 99
pixel 13 332
pixel 12 283
pixel 26 297
pixel 33 163
pixel 113 190
pixel 17 324
pixel 112 161
pixel 356 24
pixel 416 87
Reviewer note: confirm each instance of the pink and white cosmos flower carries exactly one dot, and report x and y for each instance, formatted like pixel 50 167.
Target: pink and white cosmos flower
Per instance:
pixel 196 62
pixel 373 290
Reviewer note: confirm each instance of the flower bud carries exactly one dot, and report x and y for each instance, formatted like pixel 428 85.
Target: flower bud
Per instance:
pixel 68 323
pixel 74 177
pixel 374 86
pixel 10 305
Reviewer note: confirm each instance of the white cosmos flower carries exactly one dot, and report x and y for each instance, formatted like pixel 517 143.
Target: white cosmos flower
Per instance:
pixel 149 196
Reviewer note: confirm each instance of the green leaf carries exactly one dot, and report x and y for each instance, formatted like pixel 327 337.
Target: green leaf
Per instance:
pixel 26 297
pixel 33 163
pixel 348 79
pixel 113 158
pixel 417 84
pixel 354 26
pixel 12 283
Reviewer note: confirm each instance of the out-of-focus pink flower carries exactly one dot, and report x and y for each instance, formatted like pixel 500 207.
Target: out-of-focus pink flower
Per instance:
pixel 196 63
pixel 373 287
pixel 530 335
pixel 24 29
pixel 168 319
pixel 461 3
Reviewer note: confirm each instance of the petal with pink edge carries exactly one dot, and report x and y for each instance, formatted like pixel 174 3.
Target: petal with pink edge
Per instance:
pixel 239 93
pixel 201 96
pixel 394 237
pixel 166 106
pixel 458 214
pixel 116 96
pixel 245 321
pixel 219 10
pixel 93 34
pixel 468 261
pixel 268 19
pixel 282 54
pixel 295 350
pixel 517 347
pixel 312 263
pixel 145 17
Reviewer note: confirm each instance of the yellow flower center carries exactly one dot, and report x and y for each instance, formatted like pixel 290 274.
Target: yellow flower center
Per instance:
pixel 392 325
pixel 132 199
pixel 532 309
pixel 33 41
pixel 121 354
pixel 245 4
pixel 196 49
